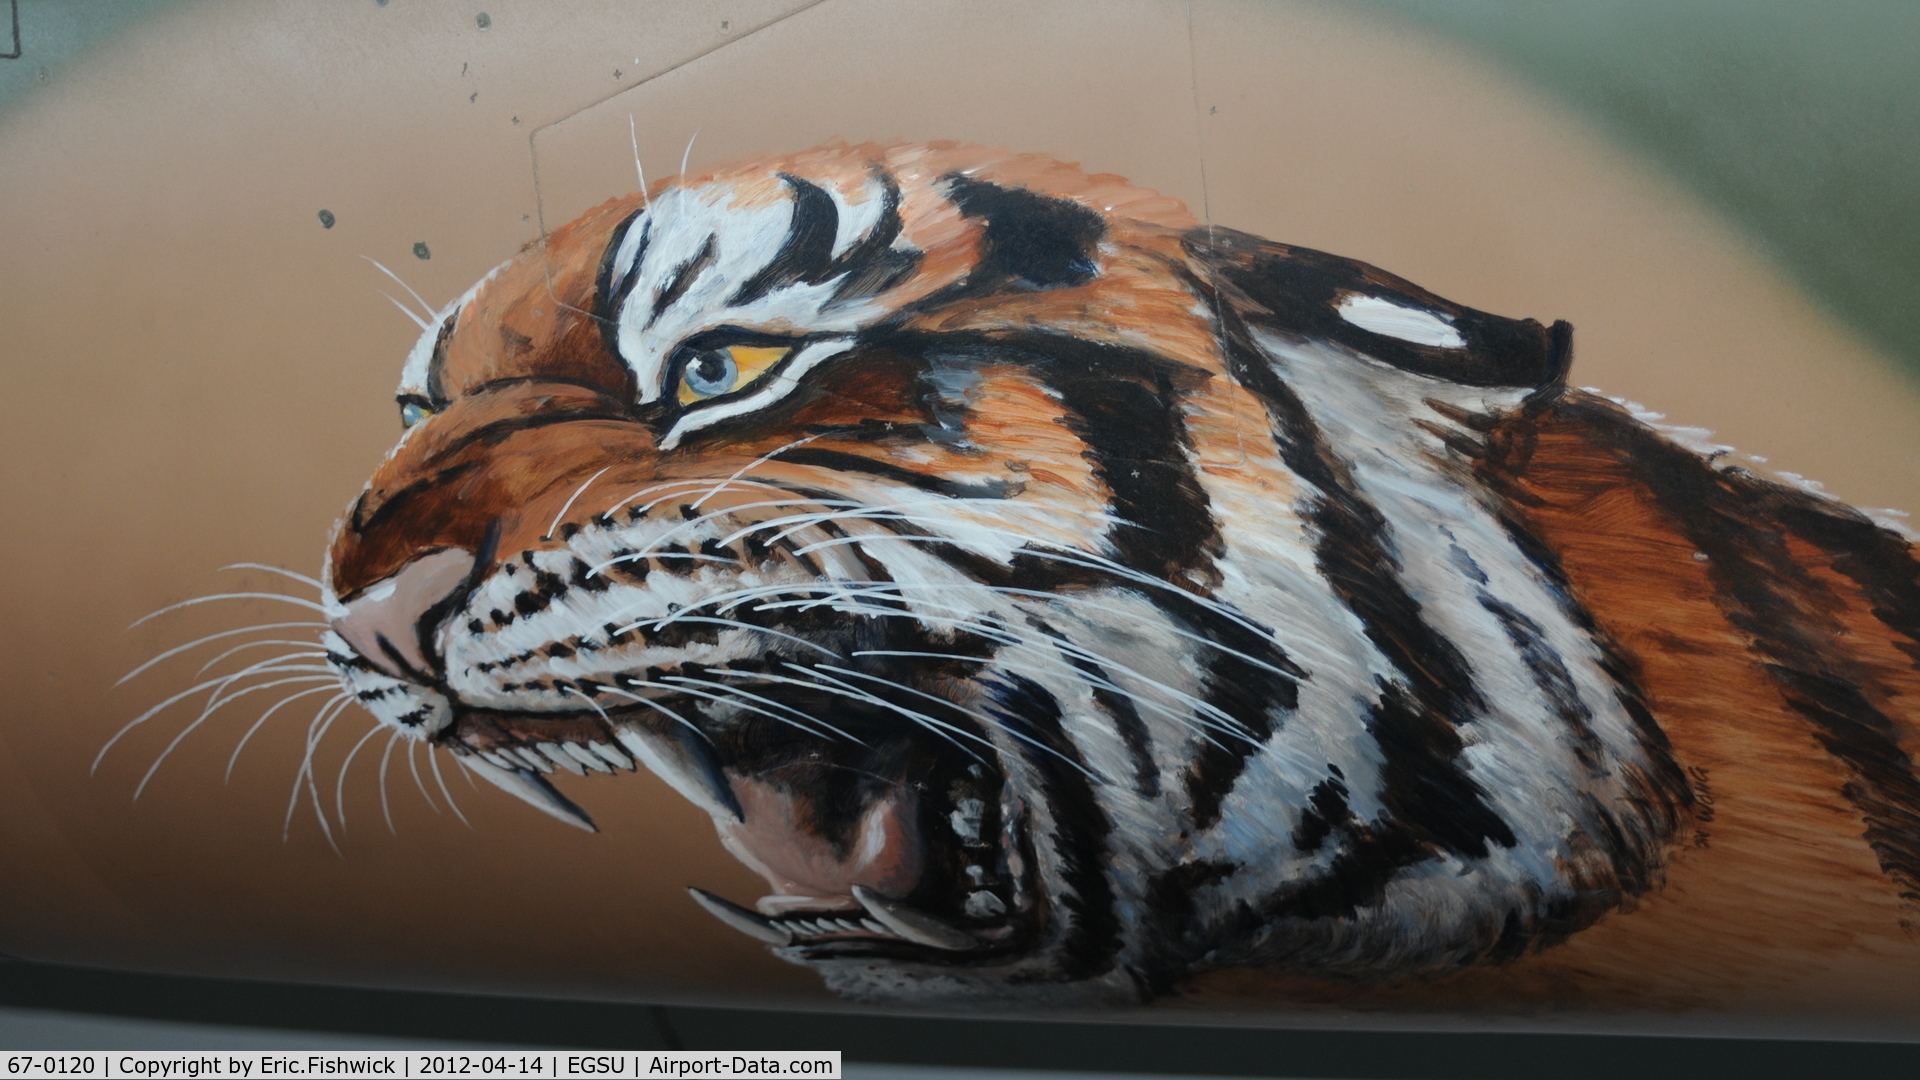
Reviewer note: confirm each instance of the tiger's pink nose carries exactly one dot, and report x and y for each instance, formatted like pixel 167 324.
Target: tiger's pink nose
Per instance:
pixel 388 623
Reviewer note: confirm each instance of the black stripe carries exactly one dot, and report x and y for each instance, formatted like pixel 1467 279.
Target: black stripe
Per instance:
pixel 880 273
pixel 1302 289
pixel 1174 939
pixel 609 295
pixel 599 389
pixel 1866 740
pixel 1253 693
pixel 886 228
pixel 1029 241
pixel 1254 697
pixel 806 255
pixel 682 279
pixel 1080 829
pixel 498 431
pixel 1119 709
pixel 1659 788
pixel 361 521
pixel 437 363
pixel 491 434
pixel 1788 614
pixel 842 461
pixel 1414 721
pixel 1034 240
pixel 1551 677
pixel 1880 562
pixel 1326 810
pixel 1633 830
pixel 1125 406
pixel 872 266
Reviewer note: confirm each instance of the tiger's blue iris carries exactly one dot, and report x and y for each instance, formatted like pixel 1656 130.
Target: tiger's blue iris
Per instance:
pixel 712 373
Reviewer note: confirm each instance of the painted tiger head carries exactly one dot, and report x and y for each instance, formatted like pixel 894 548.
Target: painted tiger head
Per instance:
pixel 1049 596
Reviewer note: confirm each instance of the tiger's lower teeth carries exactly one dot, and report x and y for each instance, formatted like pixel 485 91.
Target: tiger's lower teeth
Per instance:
pixel 788 930
pixel 752 924
pixel 585 757
pixel 984 905
pixel 561 759
pixel 611 756
pixel 914 925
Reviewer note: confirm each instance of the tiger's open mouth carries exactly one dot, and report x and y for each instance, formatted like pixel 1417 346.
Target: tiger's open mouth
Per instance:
pixel 903 848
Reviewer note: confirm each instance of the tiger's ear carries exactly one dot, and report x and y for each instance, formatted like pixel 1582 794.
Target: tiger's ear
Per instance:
pixel 1310 294
pixel 1037 240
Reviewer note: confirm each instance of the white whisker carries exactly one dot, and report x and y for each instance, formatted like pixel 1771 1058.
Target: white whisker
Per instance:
pixel 306 762
pixel 197 642
pixel 682 684
pixel 431 311
pixel 1060 553
pixel 281 570
pixel 654 545
pixel 843 599
pixel 591 704
pixel 673 488
pixel 1009 636
pixel 657 707
pixel 257 724
pixel 724 602
pixel 386 756
pixel 735 624
pixel 855 511
pixel 749 467
pixel 687 154
pixel 407 311
pixel 989 721
pixel 1076 600
pixel 434 763
pixel 212 706
pixel 316 653
pixel 650 489
pixel 320 815
pixel 340 781
pixel 690 556
pixel 570 500
pixel 314 739
pixel 283 597
pixel 1000 660
pixel 220 682
pixel 413 764
pixel 633 137
pixel 823 682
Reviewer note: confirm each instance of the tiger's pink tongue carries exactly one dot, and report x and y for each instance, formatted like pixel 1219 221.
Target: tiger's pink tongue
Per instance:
pixel 802 868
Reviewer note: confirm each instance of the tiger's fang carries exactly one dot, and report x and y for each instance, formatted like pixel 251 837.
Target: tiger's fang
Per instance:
pixel 916 926
pixel 747 922
pixel 533 789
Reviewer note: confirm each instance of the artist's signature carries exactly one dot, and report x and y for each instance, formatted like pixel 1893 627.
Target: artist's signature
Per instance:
pixel 1702 804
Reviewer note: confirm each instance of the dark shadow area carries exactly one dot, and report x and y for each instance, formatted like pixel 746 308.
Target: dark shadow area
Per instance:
pixel 1079 1047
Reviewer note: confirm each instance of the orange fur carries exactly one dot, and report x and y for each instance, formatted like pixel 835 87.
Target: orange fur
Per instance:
pixel 1772 894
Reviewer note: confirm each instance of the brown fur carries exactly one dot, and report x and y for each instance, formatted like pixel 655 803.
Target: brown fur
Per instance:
pixel 1774 901
pixel 1737 603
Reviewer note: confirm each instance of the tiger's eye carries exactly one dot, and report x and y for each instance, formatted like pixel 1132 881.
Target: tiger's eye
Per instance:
pixel 413 412
pixel 712 373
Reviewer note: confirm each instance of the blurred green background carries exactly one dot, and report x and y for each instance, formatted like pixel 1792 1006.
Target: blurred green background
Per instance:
pixel 1798 120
